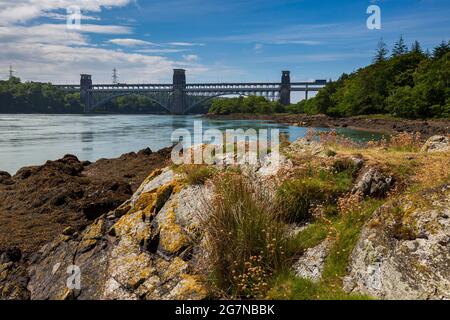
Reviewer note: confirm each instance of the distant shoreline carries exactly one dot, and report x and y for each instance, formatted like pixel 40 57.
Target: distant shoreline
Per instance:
pixel 380 124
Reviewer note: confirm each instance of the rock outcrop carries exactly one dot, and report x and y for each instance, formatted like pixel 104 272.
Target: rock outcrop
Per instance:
pixel 310 265
pixel 436 144
pixel 148 248
pixel 404 250
pixel 373 183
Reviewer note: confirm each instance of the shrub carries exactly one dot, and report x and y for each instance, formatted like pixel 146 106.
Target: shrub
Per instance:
pixel 295 198
pixel 345 165
pixel 246 239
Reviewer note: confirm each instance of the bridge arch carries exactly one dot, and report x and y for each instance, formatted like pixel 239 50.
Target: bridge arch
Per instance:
pixel 124 94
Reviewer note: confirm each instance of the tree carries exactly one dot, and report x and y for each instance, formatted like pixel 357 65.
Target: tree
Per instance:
pixel 416 47
pixel 382 52
pixel 441 50
pixel 400 47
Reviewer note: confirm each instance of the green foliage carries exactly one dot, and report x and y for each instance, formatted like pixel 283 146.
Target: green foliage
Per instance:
pixel 400 48
pixel 382 52
pixel 295 197
pixel 33 97
pixel 245 105
pixel 441 50
pixel 409 84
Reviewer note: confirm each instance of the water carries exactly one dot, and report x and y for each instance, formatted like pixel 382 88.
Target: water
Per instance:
pixel 33 139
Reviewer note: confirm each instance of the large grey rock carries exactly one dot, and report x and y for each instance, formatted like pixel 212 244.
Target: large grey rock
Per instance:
pixel 404 251
pixel 310 265
pixel 436 144
pixel 373 183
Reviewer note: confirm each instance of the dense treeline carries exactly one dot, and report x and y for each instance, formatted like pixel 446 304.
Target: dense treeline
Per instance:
pixel 245 105
pixel 410 83
pixel 33 97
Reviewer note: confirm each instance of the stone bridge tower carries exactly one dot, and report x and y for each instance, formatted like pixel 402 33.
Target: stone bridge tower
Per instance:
pixel 178 105
pixel 285 92
pixel 85 94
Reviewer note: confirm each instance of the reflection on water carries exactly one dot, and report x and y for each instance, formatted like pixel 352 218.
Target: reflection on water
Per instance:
pixel 32 139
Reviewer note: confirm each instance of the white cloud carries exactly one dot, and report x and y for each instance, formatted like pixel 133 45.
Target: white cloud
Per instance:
pixel 131 42
pixel 60 16
pixel 20 11
pixel 190 57
pixel 51 52
pixel 185 44
pixel 161 50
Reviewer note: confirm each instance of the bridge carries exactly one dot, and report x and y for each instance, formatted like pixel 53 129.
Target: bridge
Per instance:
pixel 180 97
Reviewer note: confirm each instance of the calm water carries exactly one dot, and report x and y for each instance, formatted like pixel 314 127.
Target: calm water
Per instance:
pixel 33 139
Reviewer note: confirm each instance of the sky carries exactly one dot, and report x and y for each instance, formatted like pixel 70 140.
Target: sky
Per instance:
pixel 214 40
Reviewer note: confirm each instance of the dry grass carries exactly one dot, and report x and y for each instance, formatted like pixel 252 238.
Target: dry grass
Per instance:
pixel 350 203
pixel 247 241
pixel 405 141
pixel 196 174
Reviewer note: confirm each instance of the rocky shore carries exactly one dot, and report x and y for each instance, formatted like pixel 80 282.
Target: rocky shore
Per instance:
pixel 370 222
pixel 386 125
pixel 38 202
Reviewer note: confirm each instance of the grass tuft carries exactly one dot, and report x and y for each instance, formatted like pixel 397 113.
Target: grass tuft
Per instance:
pixel 247 241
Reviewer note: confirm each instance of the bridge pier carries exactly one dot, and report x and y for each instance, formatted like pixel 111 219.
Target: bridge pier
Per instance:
pixel 85 93
pixel 178 103
pixel 285 90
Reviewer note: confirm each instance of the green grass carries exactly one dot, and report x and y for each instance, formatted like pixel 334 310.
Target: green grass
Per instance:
pixel 347 229
pixel 313 235
pixel 289 287
pixel 295 197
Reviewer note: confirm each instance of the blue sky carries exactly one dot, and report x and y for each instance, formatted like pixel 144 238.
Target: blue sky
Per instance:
pixel 233 40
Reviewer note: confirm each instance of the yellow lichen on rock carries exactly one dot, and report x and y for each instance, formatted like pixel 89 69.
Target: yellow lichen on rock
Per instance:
pixel 130 225
pixel 172 236
pixel 189 288
pixel 93 233
pixel 177 267
pixel 152 175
